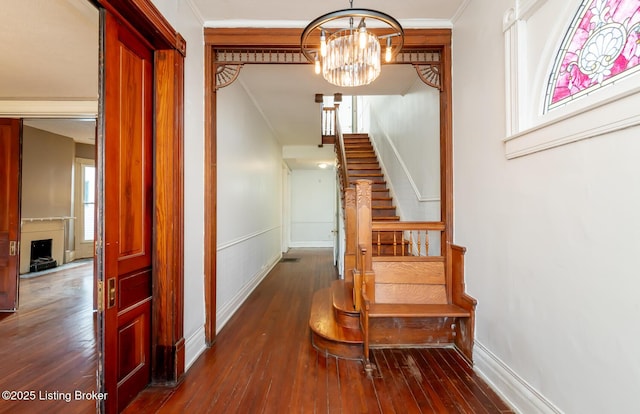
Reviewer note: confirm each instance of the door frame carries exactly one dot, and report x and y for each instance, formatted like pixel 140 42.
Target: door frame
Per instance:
pixel 81 248
pixel 282 45
pixel 167 334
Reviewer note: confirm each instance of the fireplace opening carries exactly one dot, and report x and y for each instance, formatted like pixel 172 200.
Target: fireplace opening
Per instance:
pixel 41 258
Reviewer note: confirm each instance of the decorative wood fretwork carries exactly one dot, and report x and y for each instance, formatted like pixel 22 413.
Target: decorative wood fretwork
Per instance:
pixel 238 56
pixel 429 74
pixel 229 62
pixel 226 74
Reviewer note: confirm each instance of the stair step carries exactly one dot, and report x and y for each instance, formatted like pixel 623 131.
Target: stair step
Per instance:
pixel 342 296
pixel 361 159
pixel 363 166
pixel 365 171
pixel 383 208
pixel 388 218
pixel 382 202
pixel 328 336
pixel 366 175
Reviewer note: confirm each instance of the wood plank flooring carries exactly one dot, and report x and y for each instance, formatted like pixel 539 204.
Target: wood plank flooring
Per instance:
pixel 48 346
pixel 263 362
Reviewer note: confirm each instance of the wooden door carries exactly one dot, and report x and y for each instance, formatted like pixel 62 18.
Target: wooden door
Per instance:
pixel 127 212
pixel 9 213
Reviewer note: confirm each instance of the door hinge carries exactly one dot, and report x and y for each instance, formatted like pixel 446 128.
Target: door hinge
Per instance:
pixel 100 294
pixel 97 246
pixel 14 246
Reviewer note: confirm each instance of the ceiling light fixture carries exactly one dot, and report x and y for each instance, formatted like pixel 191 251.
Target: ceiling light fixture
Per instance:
pixel 351 56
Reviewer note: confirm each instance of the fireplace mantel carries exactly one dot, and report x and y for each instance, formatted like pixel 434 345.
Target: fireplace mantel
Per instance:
pixel 39 228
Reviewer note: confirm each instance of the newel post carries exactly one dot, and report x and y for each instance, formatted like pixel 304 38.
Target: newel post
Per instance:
pixel 363 231
pixel 350 233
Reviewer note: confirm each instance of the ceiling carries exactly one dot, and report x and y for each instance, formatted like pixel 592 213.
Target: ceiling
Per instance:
pixel 57 63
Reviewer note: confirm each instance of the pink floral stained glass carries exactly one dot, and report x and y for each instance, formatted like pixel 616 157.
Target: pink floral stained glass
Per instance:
pixel 601 45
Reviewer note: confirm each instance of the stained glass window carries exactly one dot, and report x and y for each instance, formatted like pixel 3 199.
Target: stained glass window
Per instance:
pixel 601 46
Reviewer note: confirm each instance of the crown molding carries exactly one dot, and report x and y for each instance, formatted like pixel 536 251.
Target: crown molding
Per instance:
pixel 299 24
pixel 48 109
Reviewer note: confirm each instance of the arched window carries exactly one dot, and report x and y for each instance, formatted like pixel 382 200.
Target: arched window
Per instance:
pixel 601 46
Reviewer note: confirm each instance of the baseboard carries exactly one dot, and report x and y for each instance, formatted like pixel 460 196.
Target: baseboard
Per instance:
pixel 194 346
pixel 311 244
pixel 516 392
pixel 227 310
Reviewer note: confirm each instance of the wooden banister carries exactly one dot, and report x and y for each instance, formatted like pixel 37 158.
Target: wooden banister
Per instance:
pixel 405 238
pixel 340 152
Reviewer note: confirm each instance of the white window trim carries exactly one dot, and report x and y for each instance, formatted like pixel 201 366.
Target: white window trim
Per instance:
pixel 529 132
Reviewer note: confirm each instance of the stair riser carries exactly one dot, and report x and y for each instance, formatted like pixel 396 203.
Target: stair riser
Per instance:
pixel 336 348
pixel 381 203
pixel 360 158
pixel 357 144
pixel 349 320
pixel 364 171
pixel 363 166
pixel 383 212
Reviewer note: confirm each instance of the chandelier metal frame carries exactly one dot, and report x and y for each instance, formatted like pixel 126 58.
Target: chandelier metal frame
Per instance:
pixel 392 32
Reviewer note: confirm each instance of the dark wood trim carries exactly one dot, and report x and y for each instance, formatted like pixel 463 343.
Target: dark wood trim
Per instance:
pixel 210 197
pixel 168 263
pixel 249 37
pixel 148 21
pixel 446 161
pixel 465 328
pixel 168 239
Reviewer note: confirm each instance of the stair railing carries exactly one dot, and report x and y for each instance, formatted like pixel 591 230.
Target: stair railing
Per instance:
pixel 406 238
pixel 341 156
pixel 328 122
pixel 348 202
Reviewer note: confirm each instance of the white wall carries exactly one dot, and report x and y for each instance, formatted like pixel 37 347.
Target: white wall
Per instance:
pixel 405 131
pixel 552 242
pixel 249 199
pixel 185 21
pixel 313 207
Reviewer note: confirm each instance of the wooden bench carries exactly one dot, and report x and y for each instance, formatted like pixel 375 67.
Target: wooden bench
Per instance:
pixel 407 301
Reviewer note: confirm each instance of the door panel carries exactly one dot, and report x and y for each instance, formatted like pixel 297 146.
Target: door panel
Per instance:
pixel 9 212
pixel 127 213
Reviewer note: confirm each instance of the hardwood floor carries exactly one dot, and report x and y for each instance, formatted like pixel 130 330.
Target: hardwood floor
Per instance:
pixel 48 346
pixel 263 362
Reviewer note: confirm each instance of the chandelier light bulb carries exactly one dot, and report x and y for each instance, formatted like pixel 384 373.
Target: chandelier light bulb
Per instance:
pixel 363 35
pixel 323 44
pixel 387 53
pixel 317 66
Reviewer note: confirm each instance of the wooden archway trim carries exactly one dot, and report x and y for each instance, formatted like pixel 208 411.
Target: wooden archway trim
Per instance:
pixel 218 39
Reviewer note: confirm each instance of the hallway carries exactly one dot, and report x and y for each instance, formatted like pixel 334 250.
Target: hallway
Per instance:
pixel 263 362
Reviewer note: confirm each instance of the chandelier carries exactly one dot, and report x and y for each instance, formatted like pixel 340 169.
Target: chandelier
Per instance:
pixel 346 54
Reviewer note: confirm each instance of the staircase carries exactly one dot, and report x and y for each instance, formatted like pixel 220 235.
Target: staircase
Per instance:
pixel 362 164
pixel 397 291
